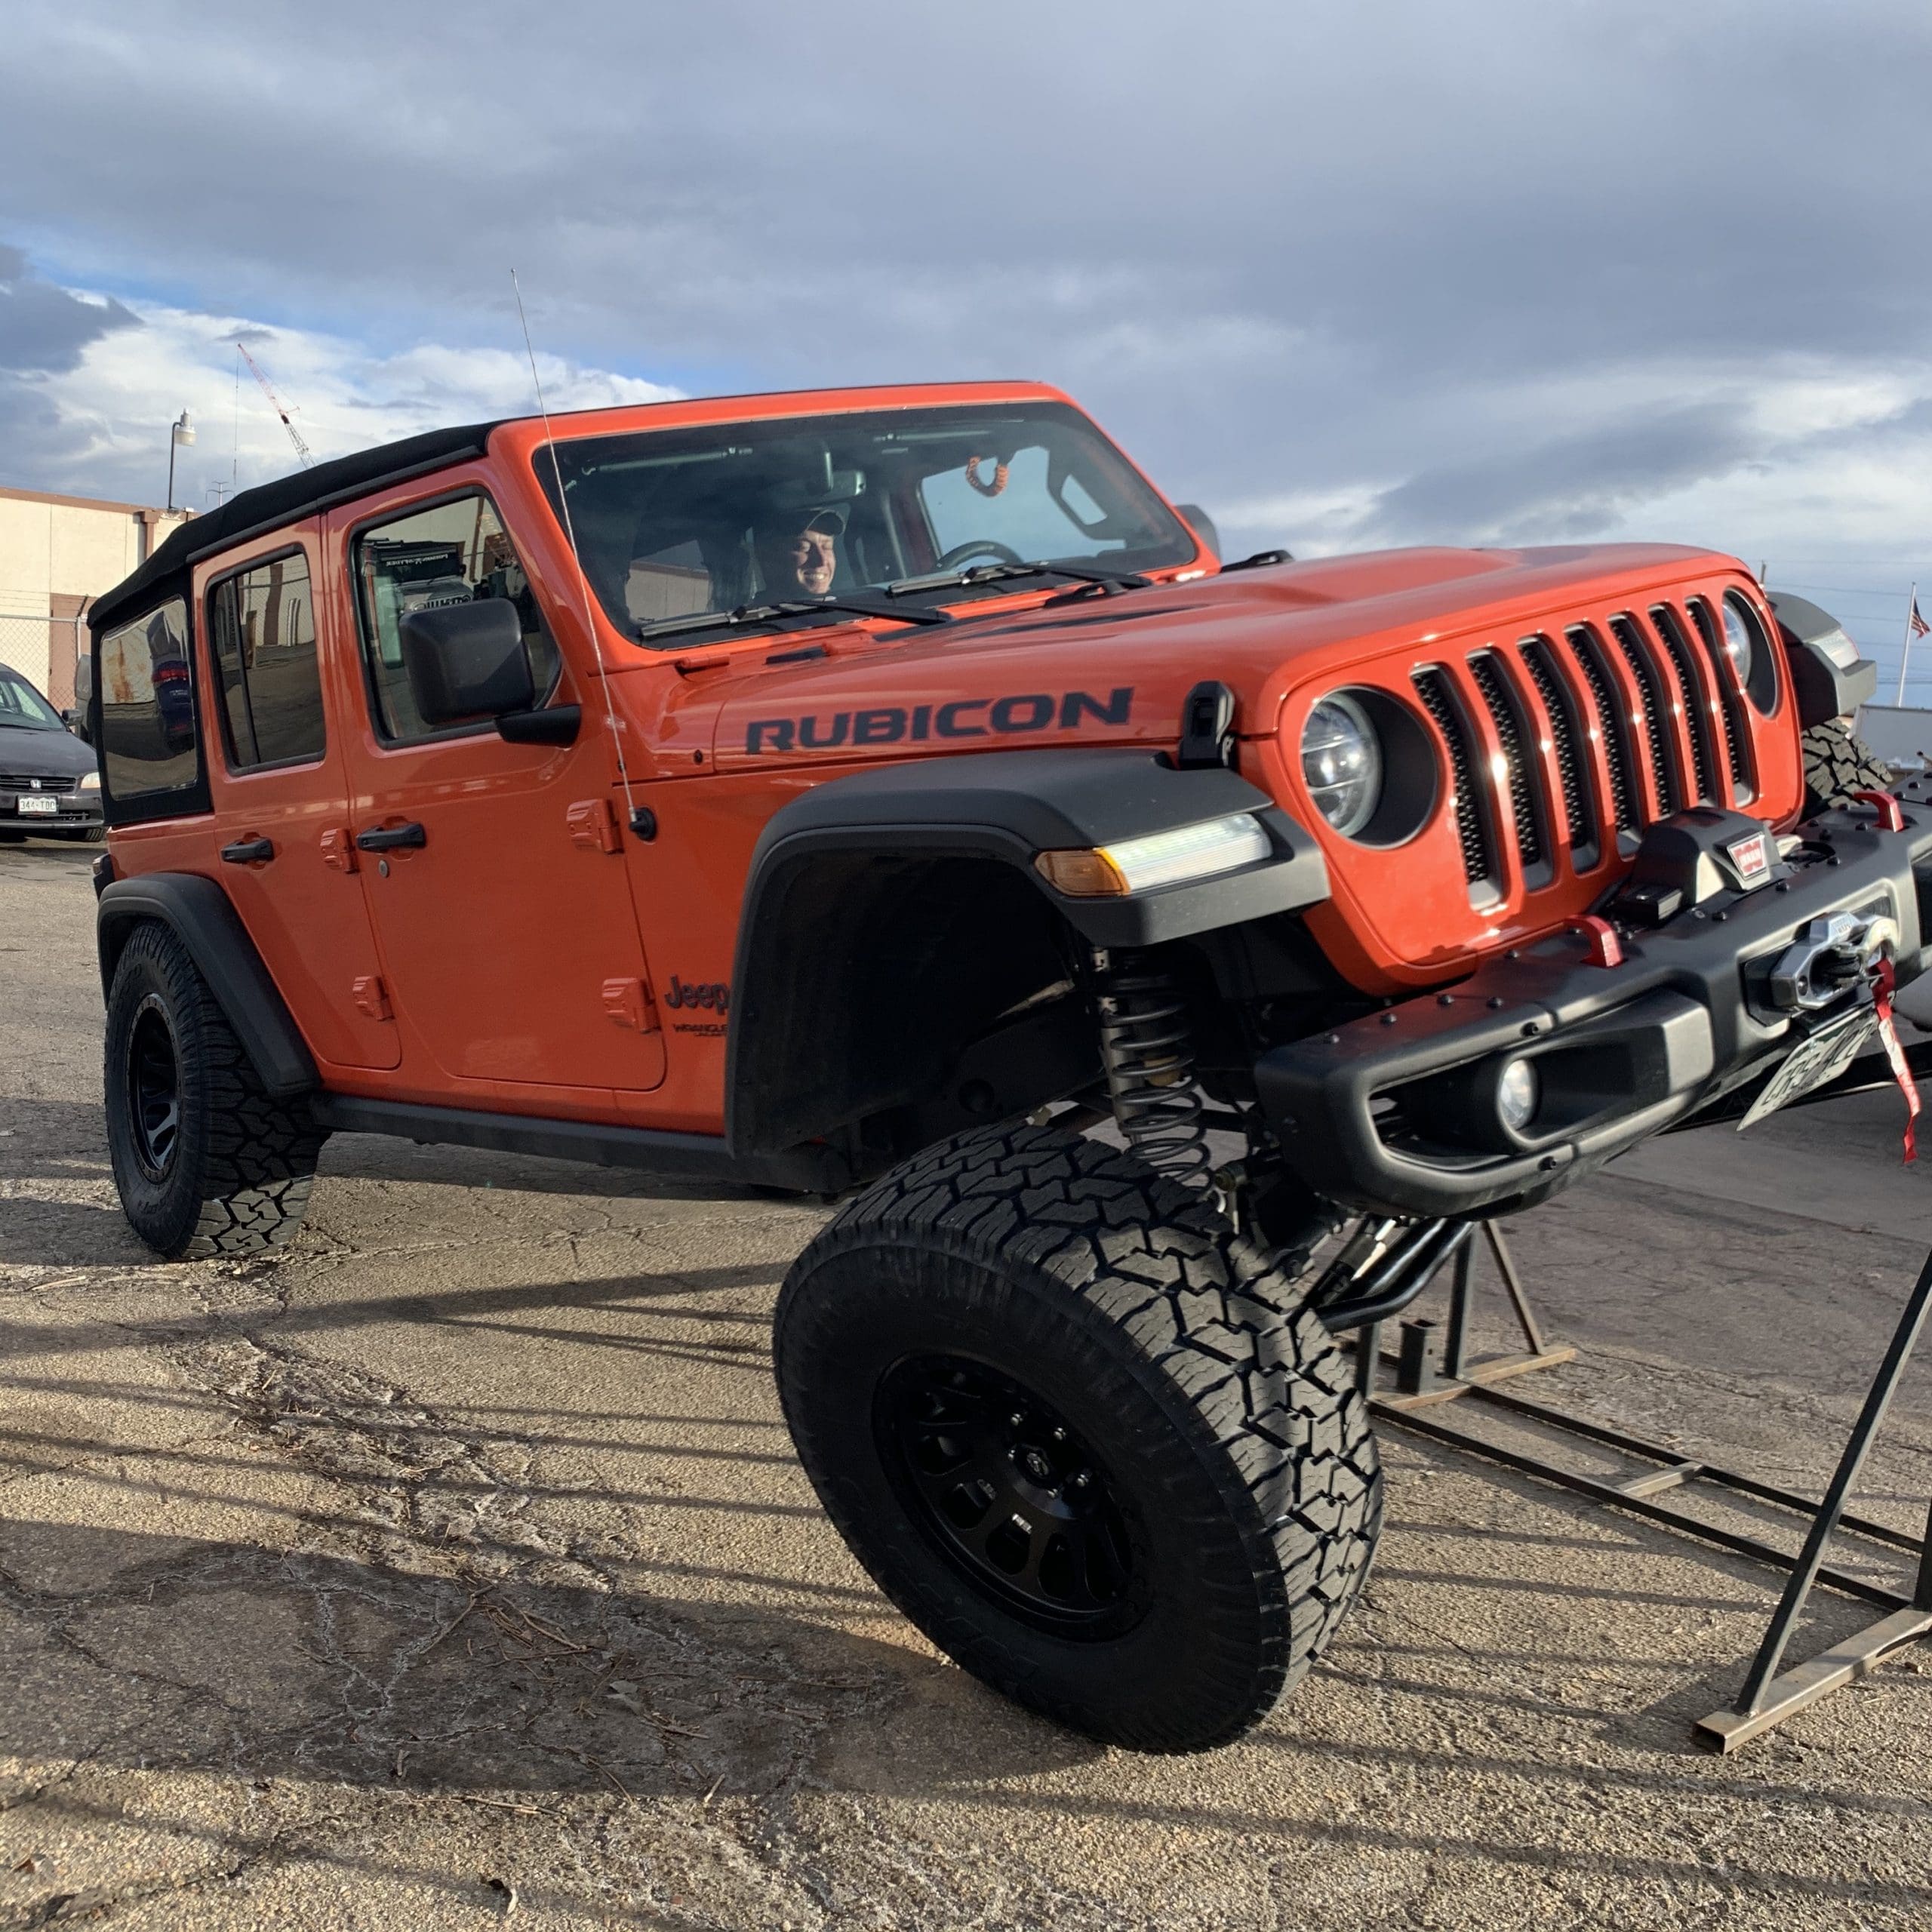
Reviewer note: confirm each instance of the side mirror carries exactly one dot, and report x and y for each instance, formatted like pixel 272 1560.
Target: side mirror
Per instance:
pixel 1203 527
pixel 466 661
pixel 75 719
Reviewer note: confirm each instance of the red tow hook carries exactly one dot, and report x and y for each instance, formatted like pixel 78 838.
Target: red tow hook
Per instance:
pixel 1600 937
pixel 1891 814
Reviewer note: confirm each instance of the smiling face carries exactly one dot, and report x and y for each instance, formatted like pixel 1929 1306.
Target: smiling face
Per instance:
pixel 800 565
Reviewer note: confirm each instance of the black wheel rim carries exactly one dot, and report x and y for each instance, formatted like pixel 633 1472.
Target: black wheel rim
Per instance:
pixel 154 1088
pixel 1009 1494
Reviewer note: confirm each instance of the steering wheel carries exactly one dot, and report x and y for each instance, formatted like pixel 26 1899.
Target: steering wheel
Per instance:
pixel 979 546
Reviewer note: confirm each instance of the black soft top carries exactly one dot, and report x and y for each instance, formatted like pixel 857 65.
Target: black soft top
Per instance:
pixel 165 573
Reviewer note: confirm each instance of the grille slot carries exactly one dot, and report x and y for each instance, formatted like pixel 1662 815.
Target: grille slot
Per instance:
pixel 1610 727
pixel 1432 687
pixel 1566 733
pixel 1669 628
pixel 1657 720
pixel 1735 736
pixel 1511 732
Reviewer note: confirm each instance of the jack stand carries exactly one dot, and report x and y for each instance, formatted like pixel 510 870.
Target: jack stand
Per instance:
pixel 1766 1699
pixel 1417 1383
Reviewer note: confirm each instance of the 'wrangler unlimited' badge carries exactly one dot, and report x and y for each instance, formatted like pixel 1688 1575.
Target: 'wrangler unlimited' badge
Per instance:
pixel 962 717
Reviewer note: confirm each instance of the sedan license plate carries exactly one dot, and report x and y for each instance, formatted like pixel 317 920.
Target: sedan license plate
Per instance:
pixel 45 807
pixel 1823 1056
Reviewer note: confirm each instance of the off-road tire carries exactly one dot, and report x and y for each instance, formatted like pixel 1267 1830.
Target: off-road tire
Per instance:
pixel 1174 1352
pixel 1837 762
pixel 237 1177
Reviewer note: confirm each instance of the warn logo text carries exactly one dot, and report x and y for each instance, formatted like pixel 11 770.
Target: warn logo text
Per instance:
pixel 962 717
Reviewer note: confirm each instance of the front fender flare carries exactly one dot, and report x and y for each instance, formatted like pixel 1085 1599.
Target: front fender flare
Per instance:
pixel 1004 808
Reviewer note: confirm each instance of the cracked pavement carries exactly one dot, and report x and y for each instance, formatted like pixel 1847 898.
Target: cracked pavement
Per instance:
pixel 455 1566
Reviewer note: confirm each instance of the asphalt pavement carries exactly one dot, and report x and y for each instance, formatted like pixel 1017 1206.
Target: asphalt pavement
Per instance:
pixel 455 1566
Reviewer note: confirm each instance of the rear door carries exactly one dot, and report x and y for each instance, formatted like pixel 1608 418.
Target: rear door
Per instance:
pixel 278 840
pixel 494 871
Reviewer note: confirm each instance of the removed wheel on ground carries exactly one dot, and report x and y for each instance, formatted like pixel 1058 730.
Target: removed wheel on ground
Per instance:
pixel 1081 1433
pixel 206 1162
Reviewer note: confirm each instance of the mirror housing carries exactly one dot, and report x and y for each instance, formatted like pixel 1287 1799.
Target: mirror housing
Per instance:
pixel 75 719
pixel 466 661
pixel 1202 524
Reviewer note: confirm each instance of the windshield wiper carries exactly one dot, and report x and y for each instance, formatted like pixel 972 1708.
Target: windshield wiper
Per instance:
pixel 769 615
pixel 978 573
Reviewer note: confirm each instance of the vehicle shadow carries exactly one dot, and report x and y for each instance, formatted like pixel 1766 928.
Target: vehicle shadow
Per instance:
pixel 265 1663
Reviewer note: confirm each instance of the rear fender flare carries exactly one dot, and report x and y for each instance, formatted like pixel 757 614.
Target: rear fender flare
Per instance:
pixel 201 915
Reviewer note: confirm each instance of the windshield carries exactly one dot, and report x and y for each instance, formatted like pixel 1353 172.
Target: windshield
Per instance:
pixel 21 705
pixel 682 523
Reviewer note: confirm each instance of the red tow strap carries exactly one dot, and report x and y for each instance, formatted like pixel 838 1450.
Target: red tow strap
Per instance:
pixel 1901 1069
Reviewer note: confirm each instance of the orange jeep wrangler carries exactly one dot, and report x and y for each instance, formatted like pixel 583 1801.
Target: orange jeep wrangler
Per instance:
pixel 887 794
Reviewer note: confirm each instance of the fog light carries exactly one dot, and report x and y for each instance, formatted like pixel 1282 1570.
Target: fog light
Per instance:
pixel 1516 1093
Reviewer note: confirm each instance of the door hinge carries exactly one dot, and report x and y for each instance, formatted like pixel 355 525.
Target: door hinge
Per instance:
pixel 338 849
pixel 629 1004
pixel 372 997
pixel 593 826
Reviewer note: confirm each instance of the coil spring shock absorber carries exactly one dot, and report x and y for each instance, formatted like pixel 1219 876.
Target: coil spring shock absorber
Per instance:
pixel 1150 1062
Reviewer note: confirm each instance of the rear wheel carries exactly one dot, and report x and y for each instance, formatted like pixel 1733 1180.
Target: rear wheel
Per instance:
pixel 1837 762
pixel 206 1162
pixel 1081 1434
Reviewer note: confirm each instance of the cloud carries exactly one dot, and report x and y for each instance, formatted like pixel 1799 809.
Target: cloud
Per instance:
pixel 100 414
pixel 1342 275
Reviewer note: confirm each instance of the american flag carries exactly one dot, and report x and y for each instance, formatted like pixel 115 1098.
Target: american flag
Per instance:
pixel 1915 623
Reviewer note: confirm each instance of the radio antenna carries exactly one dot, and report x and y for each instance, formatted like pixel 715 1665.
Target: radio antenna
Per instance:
pixel 576 557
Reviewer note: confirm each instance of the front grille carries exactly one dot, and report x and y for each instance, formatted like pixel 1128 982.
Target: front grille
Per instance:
pixel 25 781
pixel 1669 628
pixel 1656 711
pixel 1432 687
pixel 1609 726
pixel 1501 705
pixel 1579 735
pixel 1566 738
pixel 1736 734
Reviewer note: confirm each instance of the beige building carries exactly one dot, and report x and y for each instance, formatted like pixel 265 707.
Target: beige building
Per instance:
pixel 58 554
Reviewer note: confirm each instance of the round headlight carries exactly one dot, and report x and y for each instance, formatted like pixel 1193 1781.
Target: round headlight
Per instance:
pixel 1740 642
pixel 1516 1093
pixel 1341 763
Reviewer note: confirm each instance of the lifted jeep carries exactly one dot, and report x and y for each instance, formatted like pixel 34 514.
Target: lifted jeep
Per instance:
pixel 874 793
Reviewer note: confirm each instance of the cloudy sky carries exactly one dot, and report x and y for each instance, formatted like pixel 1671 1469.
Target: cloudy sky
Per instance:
pixel 1348 274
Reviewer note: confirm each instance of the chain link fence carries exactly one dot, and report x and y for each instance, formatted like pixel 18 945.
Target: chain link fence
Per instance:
pixel 44 650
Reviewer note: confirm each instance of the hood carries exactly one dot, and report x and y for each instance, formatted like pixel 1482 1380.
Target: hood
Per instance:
pixel 1115 669
pixel 27 753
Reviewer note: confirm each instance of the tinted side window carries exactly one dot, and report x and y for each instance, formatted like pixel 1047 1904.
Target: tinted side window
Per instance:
pixel 147 706
pixel 456 552
pixel 262 633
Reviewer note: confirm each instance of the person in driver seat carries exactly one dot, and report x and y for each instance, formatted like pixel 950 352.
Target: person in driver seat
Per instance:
pixel 797 555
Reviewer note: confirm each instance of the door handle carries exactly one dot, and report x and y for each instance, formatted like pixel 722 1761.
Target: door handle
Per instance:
pixel 248 851
pixel 388 838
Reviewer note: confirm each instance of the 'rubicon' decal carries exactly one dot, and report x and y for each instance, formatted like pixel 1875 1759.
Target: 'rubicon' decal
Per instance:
pixel 961 718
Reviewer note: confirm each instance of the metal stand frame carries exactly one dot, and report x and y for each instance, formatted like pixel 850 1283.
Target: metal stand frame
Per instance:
pixel 1766 1698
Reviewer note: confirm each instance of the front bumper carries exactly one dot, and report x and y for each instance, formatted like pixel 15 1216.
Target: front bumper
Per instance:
pixel 1395 1114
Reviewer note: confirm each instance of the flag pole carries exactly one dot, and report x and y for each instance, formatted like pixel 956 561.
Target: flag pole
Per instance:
pixel 1904 655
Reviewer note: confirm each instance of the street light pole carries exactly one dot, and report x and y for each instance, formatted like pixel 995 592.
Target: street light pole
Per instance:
pixel 180 431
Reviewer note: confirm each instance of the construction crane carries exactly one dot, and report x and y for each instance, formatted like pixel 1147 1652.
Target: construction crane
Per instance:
pixel 276 403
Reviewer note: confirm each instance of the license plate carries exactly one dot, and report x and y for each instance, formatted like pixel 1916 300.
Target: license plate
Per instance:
pixel 1823 1056
pixel 45 807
